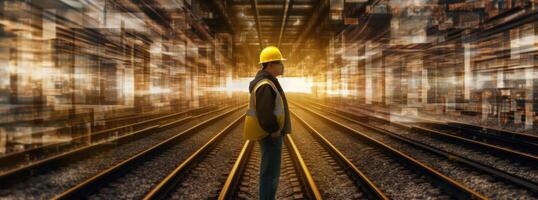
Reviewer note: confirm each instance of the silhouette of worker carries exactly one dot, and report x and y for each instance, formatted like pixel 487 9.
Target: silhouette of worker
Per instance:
pixel 267 120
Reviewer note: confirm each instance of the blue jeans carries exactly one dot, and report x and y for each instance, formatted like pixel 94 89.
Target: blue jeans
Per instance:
pixel 271 149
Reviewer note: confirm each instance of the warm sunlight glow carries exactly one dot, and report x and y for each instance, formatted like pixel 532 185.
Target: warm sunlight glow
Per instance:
pixel 289 84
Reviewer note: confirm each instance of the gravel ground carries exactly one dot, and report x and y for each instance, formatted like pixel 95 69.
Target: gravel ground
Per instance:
pixel 522 170
pixel 476 180
pixel 466 120
pixel 477 120
pixel 249 183
pixel 289 186
pixel 47 184
pixel 468 135
pixel 515 147
pixel 393 178
pixel 29 159
pixel 137 181
pixel 528 172
pixel 206 179
pixel 52 152
pixel 330 177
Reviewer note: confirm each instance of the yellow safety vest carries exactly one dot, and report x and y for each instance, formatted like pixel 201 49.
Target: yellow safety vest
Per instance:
pixel 252 129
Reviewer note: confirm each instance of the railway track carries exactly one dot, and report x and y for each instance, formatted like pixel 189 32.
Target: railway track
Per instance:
pixel 514 166
pixel 320 131
pixel 482 178
pixel 135 176
pixel 482 135
pixel 203 173
pixel 334 173
pixel 471 140
pixel 518 143
pixel 32 158
pixel 406 177
pixel 51 178
pixel 296 181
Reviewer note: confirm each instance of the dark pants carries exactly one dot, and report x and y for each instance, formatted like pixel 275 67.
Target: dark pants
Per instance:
pixel 271 149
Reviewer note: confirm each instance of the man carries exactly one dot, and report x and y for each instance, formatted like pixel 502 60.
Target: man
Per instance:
pixel 269 108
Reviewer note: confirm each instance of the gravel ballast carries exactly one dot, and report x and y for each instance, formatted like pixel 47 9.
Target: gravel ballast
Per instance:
pixel 52 182
pixel 476 180
pixel 137 181
pixel 394 179
pixel 331 179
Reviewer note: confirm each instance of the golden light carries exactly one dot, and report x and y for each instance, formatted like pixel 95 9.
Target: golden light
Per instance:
pixel 297 84
pixel 158 90
pixel 289 84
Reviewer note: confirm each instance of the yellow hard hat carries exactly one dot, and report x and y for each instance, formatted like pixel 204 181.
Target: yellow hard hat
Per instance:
pixel 269 54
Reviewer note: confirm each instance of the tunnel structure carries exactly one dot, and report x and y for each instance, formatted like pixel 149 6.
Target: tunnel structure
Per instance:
pixel 388 99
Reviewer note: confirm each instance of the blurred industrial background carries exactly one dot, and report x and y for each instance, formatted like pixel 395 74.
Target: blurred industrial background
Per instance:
pixel 72 68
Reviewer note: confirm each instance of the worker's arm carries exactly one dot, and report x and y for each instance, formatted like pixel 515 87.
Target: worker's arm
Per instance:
pixel 265 106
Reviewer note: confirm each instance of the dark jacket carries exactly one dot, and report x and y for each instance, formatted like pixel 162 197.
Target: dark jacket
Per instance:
pixel 265 103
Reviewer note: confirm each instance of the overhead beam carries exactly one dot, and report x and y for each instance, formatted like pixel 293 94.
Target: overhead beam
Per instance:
pixel 154 12
pixel 254 5
pixel 219 7
pixel 287 6
pixel 317 14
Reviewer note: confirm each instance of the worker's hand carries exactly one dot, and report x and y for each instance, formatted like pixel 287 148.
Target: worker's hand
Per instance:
pixel 275 135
